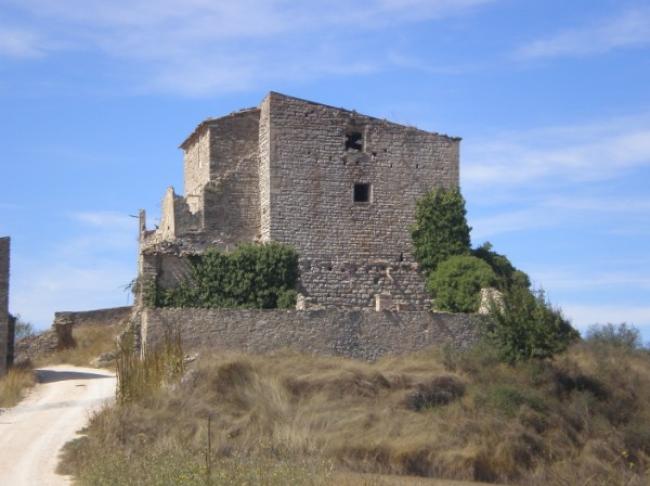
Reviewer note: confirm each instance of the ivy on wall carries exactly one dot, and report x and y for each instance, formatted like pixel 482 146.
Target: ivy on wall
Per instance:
pixel 253 276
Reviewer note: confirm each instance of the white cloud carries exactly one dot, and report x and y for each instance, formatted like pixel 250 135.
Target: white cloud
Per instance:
pixel 629 29
pixel 105 219
pixel 40 288
pixel 19 43
pixel 87 270
pixel 197 47
pixel 577 153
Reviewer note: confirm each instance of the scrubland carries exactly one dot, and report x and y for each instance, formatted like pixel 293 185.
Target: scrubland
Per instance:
pixel 581 418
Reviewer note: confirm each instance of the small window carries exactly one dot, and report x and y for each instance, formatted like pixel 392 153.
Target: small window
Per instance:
pixel 354 141
pixel 361 193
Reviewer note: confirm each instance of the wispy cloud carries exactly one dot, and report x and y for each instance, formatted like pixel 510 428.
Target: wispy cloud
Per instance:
pixel 88 269
pixel 581 152
pixel 19 43
pixel 202 46
pixel 108 220
pixel 630 29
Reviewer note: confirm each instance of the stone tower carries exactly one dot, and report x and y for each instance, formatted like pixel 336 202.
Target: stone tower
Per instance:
pixel 338 186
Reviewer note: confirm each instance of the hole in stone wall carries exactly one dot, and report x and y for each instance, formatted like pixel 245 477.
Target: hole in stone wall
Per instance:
pixel 362 193
pixel 354 141
pixel 401 257
pixel 417 166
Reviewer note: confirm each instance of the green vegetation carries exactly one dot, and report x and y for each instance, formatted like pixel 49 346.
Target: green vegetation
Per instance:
pixel 287 418
pixel 524 325
pixel 252 276
pixel 440 228
pixel 621 335
pixel 507 275
pixel 457 283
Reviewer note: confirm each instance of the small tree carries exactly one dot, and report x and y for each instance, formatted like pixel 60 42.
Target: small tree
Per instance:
pixel 440 228
pixel 525 325
pixel 456 283
pixel 621 335
pixel 507 275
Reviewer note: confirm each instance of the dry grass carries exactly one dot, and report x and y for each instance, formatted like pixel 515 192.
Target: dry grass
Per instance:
pixel 92 341
pixel 15 384
pixel 581 419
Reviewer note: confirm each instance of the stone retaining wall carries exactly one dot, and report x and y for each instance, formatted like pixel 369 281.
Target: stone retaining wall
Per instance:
pixel 361 334
pixel 97 317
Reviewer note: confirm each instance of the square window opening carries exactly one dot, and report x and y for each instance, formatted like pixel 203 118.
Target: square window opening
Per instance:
pixel 362 193
pixel 354 141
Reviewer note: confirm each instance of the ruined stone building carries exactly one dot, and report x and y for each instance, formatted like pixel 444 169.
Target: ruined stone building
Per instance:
pixel 338 186
pixel 6 334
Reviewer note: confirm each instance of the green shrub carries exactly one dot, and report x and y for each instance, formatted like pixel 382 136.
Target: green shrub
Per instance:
pixel 509 399
pixel 619 336
pixel 440 228
pixel 525 326
pixel 507 275
pixel 287 299
pixel 456 283
pixel 252 276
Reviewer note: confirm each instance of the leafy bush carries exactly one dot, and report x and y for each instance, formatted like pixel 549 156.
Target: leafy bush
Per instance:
pixel 619 336
pixel 252 276
pixel 440 228
pixel 524 326
pixel 456 283
pixel 507 275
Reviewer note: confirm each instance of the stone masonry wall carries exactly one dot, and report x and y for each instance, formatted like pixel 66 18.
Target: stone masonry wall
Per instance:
pixel 357 334
pixel 286 172
pixel 196 163
pixel 231 211
pixel 345 246
pixel 97 317
pixel 4 304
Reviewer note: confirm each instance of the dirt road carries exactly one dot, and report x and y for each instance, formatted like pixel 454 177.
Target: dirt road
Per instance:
pixel 33 432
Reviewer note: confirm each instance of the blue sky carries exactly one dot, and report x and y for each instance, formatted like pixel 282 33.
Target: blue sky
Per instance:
pixel 552 100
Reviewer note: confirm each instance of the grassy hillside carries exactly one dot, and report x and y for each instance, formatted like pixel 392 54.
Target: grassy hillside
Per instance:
pixel 582 418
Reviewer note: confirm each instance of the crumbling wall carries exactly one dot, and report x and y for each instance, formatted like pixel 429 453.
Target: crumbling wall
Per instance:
pixel 297 172
pixel 196 164
pixel 231 211
pixel 4 305
pixel 96 317
pixel 357 334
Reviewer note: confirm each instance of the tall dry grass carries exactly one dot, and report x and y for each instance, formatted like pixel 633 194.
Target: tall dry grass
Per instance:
pixel 583 418
pixel 15 384
pixel 91 342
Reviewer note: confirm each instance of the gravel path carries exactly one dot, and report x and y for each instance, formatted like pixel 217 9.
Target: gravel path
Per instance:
pixel 33 433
